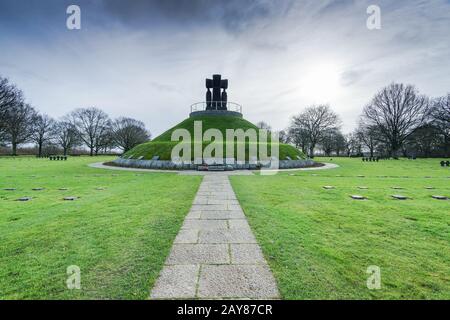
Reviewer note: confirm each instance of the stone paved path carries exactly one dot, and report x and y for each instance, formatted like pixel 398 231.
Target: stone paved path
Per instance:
pixel 215 255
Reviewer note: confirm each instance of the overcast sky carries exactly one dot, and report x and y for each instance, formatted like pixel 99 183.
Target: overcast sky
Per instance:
pixel 149 59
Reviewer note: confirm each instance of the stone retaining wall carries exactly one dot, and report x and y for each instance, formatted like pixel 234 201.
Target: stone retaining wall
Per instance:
pixel 169 165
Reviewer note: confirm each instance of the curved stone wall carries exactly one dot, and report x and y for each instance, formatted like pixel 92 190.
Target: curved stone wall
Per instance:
pixel 169 165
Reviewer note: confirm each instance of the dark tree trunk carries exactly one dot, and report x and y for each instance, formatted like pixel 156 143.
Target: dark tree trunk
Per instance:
pixel 14 149
pixel 40 150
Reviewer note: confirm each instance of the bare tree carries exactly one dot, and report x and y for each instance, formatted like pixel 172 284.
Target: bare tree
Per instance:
pixel 369 136
pixel 299 138
pixel 330 142
pixel 397 110
pixel 9 96
pixel 314 122
pixel 339 143
pixel 42 131
pixel 91 125
pixel 18 126
pixel 284 137
pixel 128 133
pixel 440 118
pixel 352 144
pixel 65 135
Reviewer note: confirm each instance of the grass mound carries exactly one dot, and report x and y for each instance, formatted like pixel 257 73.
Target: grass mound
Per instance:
pixel 162 145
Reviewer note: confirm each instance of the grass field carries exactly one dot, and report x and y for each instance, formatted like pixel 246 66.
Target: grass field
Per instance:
pixel 319 243
pixel 119 236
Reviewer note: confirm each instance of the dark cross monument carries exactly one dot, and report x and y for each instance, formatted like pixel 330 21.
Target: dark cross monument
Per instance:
pixel 218 99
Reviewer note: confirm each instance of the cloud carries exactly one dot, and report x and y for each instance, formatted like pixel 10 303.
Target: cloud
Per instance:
pixel 148 59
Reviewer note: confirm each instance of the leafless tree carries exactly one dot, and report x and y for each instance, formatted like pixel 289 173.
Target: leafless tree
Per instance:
pixel 128 133
pixel 329 141
pixel 352 144
pixel 397 110
pixel 299 138
pixel 339 143
pixel 42 131
pixel 65 135
pixel 9 96
pixel 314 122
pixel 91 125
pixel 369 136
pixel 440 118
pixel 18 126
pixel 284 137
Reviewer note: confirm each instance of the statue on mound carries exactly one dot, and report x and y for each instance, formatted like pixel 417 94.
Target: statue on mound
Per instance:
pixel 218 99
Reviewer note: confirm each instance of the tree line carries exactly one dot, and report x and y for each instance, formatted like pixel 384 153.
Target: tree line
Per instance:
pixel 92 128
pixel 398 121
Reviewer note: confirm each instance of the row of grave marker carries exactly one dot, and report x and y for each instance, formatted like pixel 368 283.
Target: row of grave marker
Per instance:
pixel 445 163
pixel 56 158
pixel 395 196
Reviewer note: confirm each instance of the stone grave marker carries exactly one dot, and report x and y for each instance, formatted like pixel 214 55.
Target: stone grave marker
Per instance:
pixel 440 197
pixel 358 197
pixel 24 199
pixel 399 197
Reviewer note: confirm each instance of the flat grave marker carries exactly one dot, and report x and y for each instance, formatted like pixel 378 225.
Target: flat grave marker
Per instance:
pixel 399 197
pixel 24 199
pixel 440 197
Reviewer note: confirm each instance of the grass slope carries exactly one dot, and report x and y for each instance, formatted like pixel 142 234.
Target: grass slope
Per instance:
pixel 119 237
pixel 320 242
pixel 162 145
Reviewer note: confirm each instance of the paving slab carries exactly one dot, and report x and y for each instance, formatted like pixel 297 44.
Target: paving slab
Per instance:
pixel 204 224
pixel 246 254
pixel 222 215
pixel 176 282
pixel 237 281
pixel 198 254
pixel 226 236
pixel 215 254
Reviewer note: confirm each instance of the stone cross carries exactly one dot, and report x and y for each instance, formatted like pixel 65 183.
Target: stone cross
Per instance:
pixel 218 99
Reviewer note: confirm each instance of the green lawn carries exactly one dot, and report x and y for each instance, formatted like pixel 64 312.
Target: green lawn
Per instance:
pixel 320 242
pixel 119 236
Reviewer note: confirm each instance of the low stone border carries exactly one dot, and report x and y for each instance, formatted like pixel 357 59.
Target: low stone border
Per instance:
pixel 101 165
pixel 169 165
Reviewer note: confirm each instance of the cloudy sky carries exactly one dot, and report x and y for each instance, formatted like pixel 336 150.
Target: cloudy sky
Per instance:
pixel 149 59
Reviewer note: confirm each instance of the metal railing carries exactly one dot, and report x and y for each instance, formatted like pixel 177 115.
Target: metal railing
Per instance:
pixel 216 106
